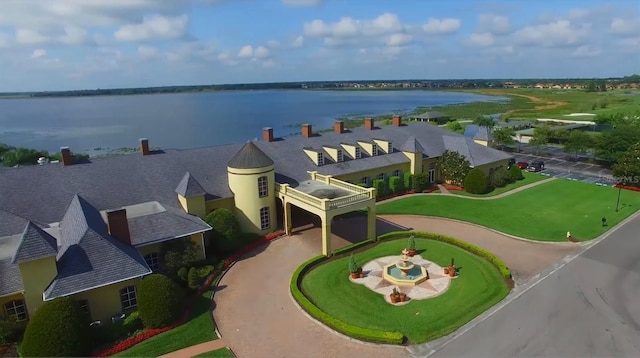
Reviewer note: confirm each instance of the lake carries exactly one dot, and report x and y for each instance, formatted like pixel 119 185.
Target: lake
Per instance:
pixel 191 120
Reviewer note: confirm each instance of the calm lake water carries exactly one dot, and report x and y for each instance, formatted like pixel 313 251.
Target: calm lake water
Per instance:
pixel 191 120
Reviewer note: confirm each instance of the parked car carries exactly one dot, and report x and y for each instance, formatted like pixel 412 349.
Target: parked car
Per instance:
pixel 536 166
pixel 523 165
pixel 511 163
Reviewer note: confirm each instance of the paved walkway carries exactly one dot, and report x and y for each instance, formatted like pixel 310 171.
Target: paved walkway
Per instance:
pixel 196 350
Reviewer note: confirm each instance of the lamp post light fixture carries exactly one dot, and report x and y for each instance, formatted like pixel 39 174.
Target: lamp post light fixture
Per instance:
pixel 618 201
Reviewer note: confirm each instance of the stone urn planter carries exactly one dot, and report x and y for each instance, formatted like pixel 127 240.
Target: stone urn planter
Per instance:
pixel 394 296
pixel 403 297
pixel 354 268
pixel 451 269
pixel 361 274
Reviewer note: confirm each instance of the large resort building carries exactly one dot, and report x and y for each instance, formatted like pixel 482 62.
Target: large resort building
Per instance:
pixel 92 230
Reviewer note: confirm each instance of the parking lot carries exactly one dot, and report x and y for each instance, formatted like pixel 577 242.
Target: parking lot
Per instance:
pixel 560 168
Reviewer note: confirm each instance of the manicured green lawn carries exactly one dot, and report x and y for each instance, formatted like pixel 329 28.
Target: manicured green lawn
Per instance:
pixel 197 330
pixel 218 353
pixel 545 212
pixel 478 287
pixel 529 178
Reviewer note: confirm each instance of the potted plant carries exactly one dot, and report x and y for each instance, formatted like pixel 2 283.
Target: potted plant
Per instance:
pixel 412 246
pixel 395 296
pixel 451 269
pixel 360 272
pixel 354 269
pixel 402 296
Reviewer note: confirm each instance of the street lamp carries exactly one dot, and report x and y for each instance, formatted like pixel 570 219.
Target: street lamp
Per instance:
pixel 619 190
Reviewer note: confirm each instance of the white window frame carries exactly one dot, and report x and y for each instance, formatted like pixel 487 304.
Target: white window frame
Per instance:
pixel 16 309
pixel 364 180
pixel 265 218
pixel 395 173
pixel 263 187
pixel 340 155
pixel 153 260
pixel 128 297
pixel 380 176
pixel 374 149
pixel 358 153
pixel 320 158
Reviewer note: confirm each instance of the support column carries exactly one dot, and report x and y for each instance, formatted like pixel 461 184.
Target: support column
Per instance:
pixel 326 235
pixel 287 217
pixel 204 250
pixel 371 223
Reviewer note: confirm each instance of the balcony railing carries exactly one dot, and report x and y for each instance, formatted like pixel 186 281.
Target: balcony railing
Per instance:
pixel 327 204
pixel 328 179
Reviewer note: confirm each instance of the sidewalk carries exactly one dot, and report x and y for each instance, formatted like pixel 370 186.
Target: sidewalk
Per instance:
pixel 197 349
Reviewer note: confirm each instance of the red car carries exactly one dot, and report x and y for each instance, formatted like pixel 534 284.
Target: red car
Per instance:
pixel 523 165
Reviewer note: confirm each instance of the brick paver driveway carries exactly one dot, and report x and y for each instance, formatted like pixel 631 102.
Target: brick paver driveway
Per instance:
pixel 257 317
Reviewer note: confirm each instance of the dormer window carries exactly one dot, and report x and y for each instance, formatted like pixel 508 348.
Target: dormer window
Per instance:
pixel 340 156
pixel 374 149
pixel 358 153
pixel 320 158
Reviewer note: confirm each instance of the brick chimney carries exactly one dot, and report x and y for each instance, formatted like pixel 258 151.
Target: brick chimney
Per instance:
pixel 396 121
pixel 118 225
pixel 368 123
pixel 144 146
pixel 65 153
pixel 307 131
pixel 338 126
pixel 267 134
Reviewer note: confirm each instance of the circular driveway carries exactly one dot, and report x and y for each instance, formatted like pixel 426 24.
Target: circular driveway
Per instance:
pixel 257 317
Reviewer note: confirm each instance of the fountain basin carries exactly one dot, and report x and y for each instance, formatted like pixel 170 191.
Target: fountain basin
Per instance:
pixel 404 277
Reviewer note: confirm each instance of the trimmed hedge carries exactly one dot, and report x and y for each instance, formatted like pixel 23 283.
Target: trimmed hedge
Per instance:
pixel 395 184
pixel 381 187
pixel 489 256
pixel 364 334
pixel 420 182
pixel 516 173
pixel 160 301
pixel 476 182
pixel 408 180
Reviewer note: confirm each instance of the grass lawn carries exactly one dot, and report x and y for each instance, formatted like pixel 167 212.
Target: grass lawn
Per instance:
pixel 218 353
pixel 197 330
pixel 478 287
pixel 529 178
pixel 545 212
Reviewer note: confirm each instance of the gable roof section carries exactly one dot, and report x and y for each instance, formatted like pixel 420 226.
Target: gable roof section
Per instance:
pixel 460 145
pixel 89 257
pixel 166 225
pixel 250 157
pixel 11 229
pixel 189 186
pixel 412 146
pixel 35 244
pixel 10 278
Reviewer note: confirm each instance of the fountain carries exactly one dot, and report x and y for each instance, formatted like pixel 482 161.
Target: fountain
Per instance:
pixel 404 272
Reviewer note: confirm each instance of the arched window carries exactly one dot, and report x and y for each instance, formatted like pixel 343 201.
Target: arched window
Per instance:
pixel 263 187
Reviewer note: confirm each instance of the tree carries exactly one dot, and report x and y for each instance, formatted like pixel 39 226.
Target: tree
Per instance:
pixel 484 121
pixel 627 169
pixel 455 126
pixel 614 143
pixel 176 254
pixel 516 173
pixel 500 178
pixel 58 329
pixel 503 136
pixel 476 182
pixel 454 167
pixel 591 87
pixel 160 301
pixel 420 182
pixel 577 142
pixel 541 137
pixel 226 229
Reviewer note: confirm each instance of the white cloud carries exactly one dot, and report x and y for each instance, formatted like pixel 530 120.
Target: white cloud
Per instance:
pixel 261 52
pixel 39 53
pixel 302 2
pixel 400 39
pixel 273 44
pixel 622 26
pixel 298 42
pixel 482 39
pixel 146 52
pixel 269 63
pixel 348 27
pixel 494 24
pixel 585 51
pixel 246 51
pixel 154 28
pixel 558 33
pixel 444 26
pixel 30 37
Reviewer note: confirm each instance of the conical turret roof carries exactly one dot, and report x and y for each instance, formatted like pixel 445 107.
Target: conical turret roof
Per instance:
pixel 249 157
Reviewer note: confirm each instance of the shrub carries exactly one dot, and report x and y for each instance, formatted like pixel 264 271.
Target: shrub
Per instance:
pixel 516 173
pixel 178 253
pixel 132 322
pixel 197 276
pixel 395 184
pixel 9 330
pixel 411 243
pixel 380 186
pixel 226 228
pixel 160 301
pixel 500 178
pixel 353 265
pixel 408 180
pixel 476 181
pixel 420 182
pixel 183 274
pixel 58 329
pixel 365 334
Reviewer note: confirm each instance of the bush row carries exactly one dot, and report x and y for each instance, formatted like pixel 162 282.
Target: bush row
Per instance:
pixel 364 334
pixel 489 256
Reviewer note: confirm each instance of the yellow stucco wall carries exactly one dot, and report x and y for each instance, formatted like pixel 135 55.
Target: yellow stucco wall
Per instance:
pixel 350 149
pixel 366 147
pixel 36 277
pixel 415 166
pixel 193 205
pixel 7 299
pixel 372 173
pixel 312 154
pixel 332 152
pixel 227 203
pixel 244 186
pixel 482 142
pixel 487 167
pixel 104 302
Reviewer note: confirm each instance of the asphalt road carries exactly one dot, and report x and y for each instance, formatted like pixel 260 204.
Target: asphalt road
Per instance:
pixel 588 308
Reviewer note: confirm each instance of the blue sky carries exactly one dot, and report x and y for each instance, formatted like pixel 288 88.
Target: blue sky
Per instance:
pixel 86 44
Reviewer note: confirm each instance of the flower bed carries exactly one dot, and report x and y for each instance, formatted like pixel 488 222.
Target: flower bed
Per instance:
pixel 146 334
pixel 452 187
pixel 627 187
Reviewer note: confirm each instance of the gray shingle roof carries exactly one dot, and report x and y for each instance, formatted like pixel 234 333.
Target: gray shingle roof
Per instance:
pixel 429 115
pixel 35 244
pixel 169 224
pixel 189 186
pixel 89 257
pixel 412 146
pixel 10 279
pixel 477 132
pixel 11 229
pixel 249 157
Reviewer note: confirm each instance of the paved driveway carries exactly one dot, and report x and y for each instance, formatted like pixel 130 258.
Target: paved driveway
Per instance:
pixel 580 171
pixel 257 317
